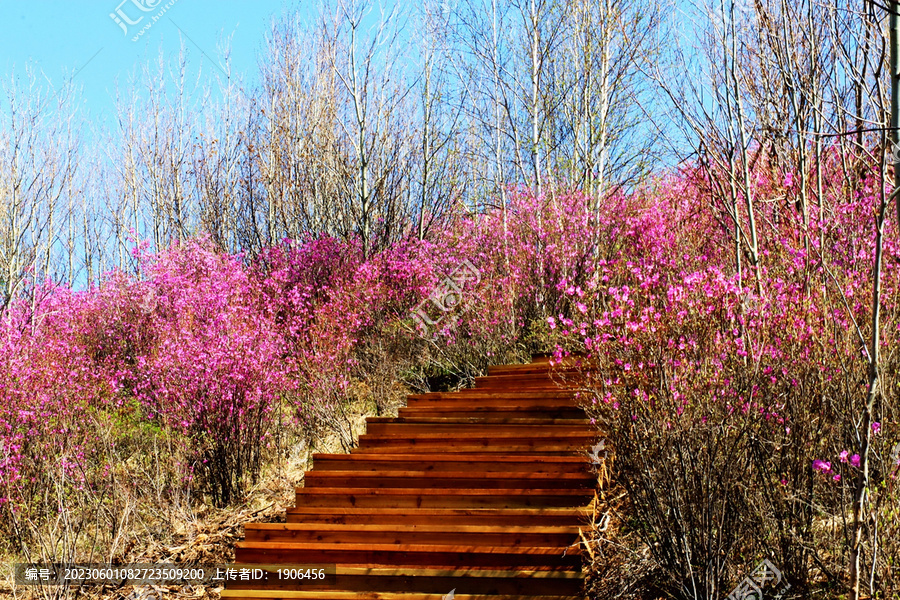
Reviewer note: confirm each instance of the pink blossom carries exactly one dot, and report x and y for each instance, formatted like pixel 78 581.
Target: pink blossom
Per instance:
pixel 822 466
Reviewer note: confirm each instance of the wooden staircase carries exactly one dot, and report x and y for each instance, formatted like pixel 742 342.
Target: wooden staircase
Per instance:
pixel 480 492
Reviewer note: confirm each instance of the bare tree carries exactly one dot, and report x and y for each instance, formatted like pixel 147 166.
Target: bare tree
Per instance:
pixel 154 155
pixel 364 65
pixel 439 176
pixel 604 94
pixel 874 388
pixel 39 157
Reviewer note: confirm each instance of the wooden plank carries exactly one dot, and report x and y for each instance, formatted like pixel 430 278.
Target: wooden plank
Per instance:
pixel 570 444
pixel 567 367
pixel 551 380
pixel 497 403
pixel 475 573
pixel 451 462
pixel 489 419
pixel 436 535
pixel 449 479
pixel 431 498
pixel 481 490
pixel 506 383
pixel 469 437
pixel 463 447
pixel 507 395
pixel 238 594
pixel 568 516
pixel 461 555
pixel 554 412
pixel 539 581
pixel 423 430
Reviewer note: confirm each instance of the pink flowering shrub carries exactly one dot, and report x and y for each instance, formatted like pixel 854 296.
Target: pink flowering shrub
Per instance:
pixel 188 350
pixel 54 418
pixel 522 258
pixel 733 403
pixel 731 399
pixel 214 373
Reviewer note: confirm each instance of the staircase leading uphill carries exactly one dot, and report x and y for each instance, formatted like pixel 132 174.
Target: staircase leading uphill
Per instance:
pixel 480 492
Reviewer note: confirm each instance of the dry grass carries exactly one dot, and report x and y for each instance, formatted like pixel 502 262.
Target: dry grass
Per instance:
pixel 187 532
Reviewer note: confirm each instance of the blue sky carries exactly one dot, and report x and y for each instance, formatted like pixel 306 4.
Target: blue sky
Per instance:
pixel 61 38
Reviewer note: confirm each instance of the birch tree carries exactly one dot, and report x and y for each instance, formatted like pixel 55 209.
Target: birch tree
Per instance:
pixel 888 194
pixel 39 157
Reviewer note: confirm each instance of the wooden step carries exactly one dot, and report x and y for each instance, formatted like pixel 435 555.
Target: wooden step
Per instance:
pixel 480 491
pixel 448 479
pixel 274 594
pixel 419 555
pixel 440 461
pixel 494 402
pixel 509 582
pixel 476 433
pixel 502 444
pixel 536 411
pixel 373 497
pixel 508 396
pixel 488 419
pixel 528 381
pixel 467 447
pixel 400 428
pixel 539 445
pixel 350 578
pixel 514 517
pixel 521 383
pixel 436 535
pixel 569 367
pixel 485 431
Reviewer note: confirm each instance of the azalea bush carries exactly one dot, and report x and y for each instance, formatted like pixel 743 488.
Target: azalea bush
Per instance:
pixel 213 375
pixel 729 391
pixel 733 398
pixel 65 436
